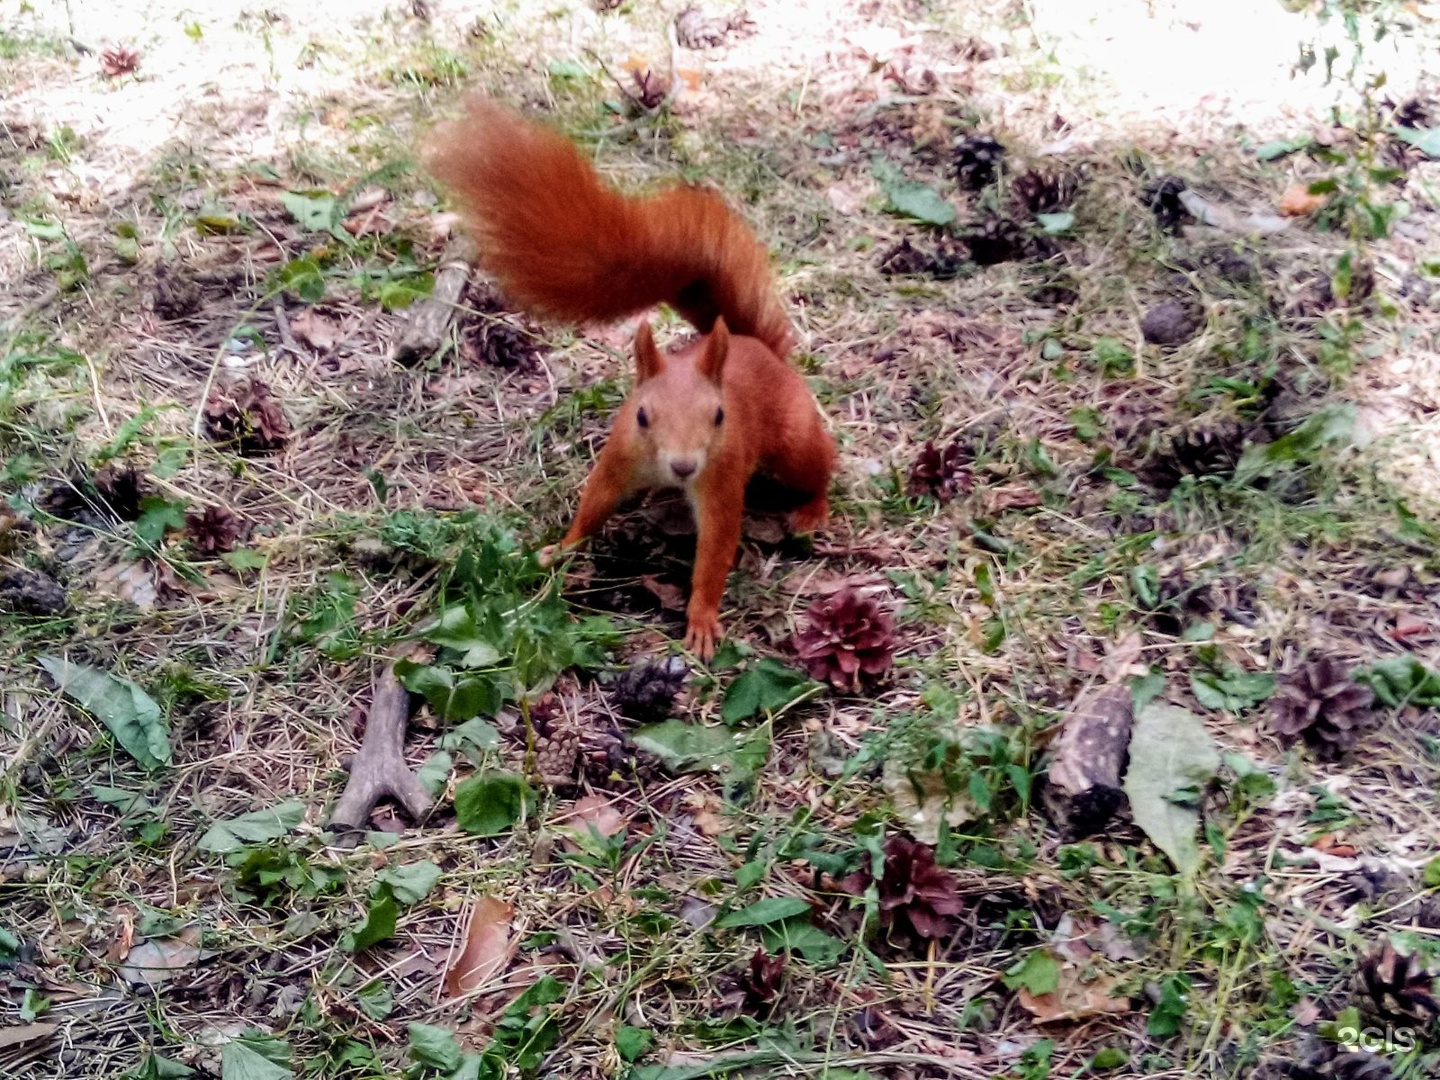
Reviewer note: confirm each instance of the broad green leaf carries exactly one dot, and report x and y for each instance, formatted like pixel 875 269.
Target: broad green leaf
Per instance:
pixel 683 747
pixel 303 277
pixel 1167 1016
pixel 633 1043
pixel 491 802
pixel 1038 973
pixel 255 1057
pixel 797 935
pixel 317 211
pixel 763 912
pixel 131 714
pixel 1426 140
pixel 477 733
pixel 1170 753
pixel 375 1000
pixel 1402 680
pixel 918 201
pixel 157 517
pixel 1056 224
pixel 456 630
pixel 123 802
pixel 435 772
pixel 155 1067
pixel 1297 447
pixel 379 923
pixel 243 559
pixel 434 1047
pixel 766 687
pixel 412 882
pixel 256 827
pixel 1232 690
pixel 1112 1057
pixel 452 696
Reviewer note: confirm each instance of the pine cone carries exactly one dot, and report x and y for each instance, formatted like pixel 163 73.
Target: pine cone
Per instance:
pixel 996 240
pixel 488 337
pixel 976 158
pixel 213 530
pixel 904 259
pixel 942 474
pixel 1201 448
pixel 122 487
pixel 119 61
pixel 248 416
pixel 1414 112
pixel 848 638
pixel 1162 196
pixel 1396 986
pixel 555 754
pixel 761 981
pixel 1322 705
pixel 645 691
pixel 174 297
pixel 1182 598
pixel 916 896
pixel 1040 192
pixel 696 30
pixel 33 592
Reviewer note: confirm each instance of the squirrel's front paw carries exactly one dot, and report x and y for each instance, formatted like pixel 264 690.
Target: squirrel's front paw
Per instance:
pixel 548 554
pixel 702 635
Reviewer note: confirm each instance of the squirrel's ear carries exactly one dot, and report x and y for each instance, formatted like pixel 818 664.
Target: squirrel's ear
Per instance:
pixel 648 361
pixel 717 348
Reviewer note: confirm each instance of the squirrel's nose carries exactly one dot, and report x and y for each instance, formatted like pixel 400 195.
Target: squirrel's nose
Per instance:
pixel 683 467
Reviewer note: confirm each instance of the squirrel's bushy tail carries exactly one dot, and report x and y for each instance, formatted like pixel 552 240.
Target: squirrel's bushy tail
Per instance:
pixel 565 244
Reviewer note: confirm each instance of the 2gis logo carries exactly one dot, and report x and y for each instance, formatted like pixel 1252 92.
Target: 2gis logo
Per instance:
pixel 1377 1040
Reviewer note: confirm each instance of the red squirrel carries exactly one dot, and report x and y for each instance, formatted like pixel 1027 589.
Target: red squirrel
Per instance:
pixel 705 418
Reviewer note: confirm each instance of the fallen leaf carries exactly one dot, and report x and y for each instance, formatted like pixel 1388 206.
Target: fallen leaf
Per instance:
pixel 1074 999
pixel 1408 626
pixel 923 799
pixel 595 812
pixel 24 1033
pixel 131 714
pixel 1299 202
pixel 846 199
pixel 1172 757
pixel 316 330
pixel 705 808
pixel 1306 1013
pixel 132 582
pixel 159 960
pixel 671 597
pixel 1122 660
pixel 1011 497
pixel 485 949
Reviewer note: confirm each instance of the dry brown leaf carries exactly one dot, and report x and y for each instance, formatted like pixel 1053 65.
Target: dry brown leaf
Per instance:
pixel 24 1033
pixel 1299 202
pixel 1122 660
pixel 598 813
pixel 159 960
pixel 671 597
pixel 706 809
pixel 485 950
pixel 132 582
pixel 1074 999
pixel 1011 497
pixel 316 330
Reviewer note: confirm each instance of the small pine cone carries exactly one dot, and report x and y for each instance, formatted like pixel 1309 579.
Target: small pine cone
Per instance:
pixel 996 240
pixel 1360 1065
pixel 904 259
pixel 847 639
pixel 32 592
pixel 213 530
pixel 1205 448
pixel 173 296
pixel 248 416
pixel 916 895
pixel 1162 196
pixel 976 159
pixel 1396 986
pixel 760 981
pixel 122 487
pixel 1412 113
pixel 1040 192
pixel 119 61
pixel 555 755
pixel 497 344
pixel 942 474
pixel 645 692
pixel 1320 704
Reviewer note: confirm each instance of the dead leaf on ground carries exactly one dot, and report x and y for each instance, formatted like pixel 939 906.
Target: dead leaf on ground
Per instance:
pixel 1011 497
pixel 318 331
pixel 1299 202
pixel 671 597
pixel 1074 999
pixel 25 1033
pixel 484 951
pixel 132 582
pixel 705 808
pixel 593 812
pixel 1122 660
pixel 159 960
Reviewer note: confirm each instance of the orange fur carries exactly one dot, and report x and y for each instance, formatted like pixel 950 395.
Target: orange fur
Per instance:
pixel 705 418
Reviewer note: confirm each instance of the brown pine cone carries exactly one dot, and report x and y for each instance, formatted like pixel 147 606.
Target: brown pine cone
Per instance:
pixel 916 895
pixel 555 755
pixel 996 240
pixel 1320 704
pixel 1396 986
pixel 646 690
pixel 1162 196
pixel 1044 192
pixel 247 415
pixel 847 639
pixel 119 61
pixel 213 530
pixel 942 474
pixel 976 159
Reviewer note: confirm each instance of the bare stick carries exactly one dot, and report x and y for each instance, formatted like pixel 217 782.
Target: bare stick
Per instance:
pixel 379 770
pixel 430 318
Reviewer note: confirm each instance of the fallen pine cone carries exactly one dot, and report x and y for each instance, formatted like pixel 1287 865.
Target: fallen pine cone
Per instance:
pixel 1321 705
pixel 213 530
pixel 645 691
pixel 848 638
pixel 976 158
pixel 942 474
pixel 247 416
pixel 916 896
pixel 119 61
pixel 1396 986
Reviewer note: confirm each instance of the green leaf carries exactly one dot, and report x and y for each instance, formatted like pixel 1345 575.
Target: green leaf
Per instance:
pixel 457 630
pixel 317 211
pixel 797 935
pixel 1431 877
pixel 256 827
pixel 412 882
pixel 123 802
pixel 1402 680
pixel 683 747
pixel 435 772
pixel 491 802
pixel 918 201
pixel 304 278
pixel 157 517
pixel 477 734
pixel 633 1043
pixel 379 924
pixel 155 1067
pixel 397 293
pixel 131 714
pixel 1233 690
pixel 1039 973
pixel 767 687
pixel 1298 447
pixel 434 1047
pixel 1056 224
pixel 255 1057
pixel 1112 1057
pixel 763 912
pixel 452 696
pixel 375 1000
pixel 1273 151
pixel 1166 1017
pixel 1170 752
pixel 1426 140
pixel 242 559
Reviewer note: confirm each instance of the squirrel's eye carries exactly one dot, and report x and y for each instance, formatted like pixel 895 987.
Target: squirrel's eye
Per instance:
pixel 719 417
pixel 642 419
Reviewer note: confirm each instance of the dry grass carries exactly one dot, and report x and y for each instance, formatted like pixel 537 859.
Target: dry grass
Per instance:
pixel 1011 599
